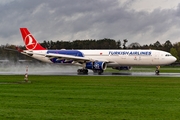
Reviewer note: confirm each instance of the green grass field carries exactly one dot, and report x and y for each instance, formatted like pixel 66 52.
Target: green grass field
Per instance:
pixel 90 97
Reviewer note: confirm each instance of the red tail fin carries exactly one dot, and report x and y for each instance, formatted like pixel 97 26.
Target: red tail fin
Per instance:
pixel 30 41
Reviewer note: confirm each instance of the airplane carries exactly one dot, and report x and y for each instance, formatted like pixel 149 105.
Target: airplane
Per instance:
pixel 95 60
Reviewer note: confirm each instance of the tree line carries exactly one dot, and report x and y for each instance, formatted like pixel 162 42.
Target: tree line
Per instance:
pixel 105 43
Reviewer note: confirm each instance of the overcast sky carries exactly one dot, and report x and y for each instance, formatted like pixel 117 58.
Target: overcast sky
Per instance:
pixel 142 21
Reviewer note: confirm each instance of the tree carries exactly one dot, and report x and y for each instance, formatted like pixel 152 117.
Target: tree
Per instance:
pixel 124 44
pixel 167 46
pixel 177 47
pixel 134 45
pixel 118 43
pixel 157 45
pixel 174 52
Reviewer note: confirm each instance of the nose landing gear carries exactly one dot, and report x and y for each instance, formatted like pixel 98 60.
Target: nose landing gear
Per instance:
pixel 157 70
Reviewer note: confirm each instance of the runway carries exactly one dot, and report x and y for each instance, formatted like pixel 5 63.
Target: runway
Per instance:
pixel 48 69
pixel 143 74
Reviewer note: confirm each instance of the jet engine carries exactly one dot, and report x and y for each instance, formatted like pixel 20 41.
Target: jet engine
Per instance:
pixel 97 65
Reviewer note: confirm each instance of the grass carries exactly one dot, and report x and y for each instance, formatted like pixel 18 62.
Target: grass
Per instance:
pixel 90 97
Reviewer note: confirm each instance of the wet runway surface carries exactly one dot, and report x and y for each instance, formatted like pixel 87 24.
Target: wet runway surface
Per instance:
pixel 143 74
pixel 44 69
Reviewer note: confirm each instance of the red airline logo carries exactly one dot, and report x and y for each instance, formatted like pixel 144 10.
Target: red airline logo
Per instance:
pixel 30 42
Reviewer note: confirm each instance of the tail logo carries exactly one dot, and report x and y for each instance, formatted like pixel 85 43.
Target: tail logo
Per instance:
pixel 30 42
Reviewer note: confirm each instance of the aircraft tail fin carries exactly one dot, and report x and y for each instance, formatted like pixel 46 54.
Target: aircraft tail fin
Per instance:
pixel 30 41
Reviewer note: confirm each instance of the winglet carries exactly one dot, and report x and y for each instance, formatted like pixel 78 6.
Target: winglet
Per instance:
pixel 30 41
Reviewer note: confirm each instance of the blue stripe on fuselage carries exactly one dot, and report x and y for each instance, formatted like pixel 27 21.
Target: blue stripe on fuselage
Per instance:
pixel 65 52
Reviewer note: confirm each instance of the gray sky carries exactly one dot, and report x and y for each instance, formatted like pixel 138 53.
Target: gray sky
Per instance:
pixel 141 21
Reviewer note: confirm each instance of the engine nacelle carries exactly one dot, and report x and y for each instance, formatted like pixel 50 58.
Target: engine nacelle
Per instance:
pixel 97 65
pixel 123 68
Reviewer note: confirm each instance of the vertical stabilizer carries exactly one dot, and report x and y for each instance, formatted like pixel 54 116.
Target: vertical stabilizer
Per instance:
pixel 30 41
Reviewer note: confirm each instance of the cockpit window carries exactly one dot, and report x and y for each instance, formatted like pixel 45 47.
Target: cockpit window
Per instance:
pixel 168 55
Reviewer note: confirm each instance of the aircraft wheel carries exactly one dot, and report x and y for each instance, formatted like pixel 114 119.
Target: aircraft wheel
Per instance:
pixel 82 71
pixel 85 71
pixel 157 72
pixel 100 72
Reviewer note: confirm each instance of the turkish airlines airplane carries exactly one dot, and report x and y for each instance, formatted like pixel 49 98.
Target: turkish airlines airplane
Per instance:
pixel 95 60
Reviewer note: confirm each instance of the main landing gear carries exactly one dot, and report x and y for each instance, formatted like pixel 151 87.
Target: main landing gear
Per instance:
pixel 98 71
pixel 157 70
pixel 85 71
pixel 82 71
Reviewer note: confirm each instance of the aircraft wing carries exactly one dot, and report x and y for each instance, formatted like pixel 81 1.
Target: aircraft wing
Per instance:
pixel 74 58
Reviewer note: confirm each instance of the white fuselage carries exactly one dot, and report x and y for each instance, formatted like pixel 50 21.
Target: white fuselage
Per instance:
pixel 132 57
pixel 116 57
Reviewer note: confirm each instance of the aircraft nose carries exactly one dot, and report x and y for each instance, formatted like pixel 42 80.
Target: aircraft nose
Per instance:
pixel 173 59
